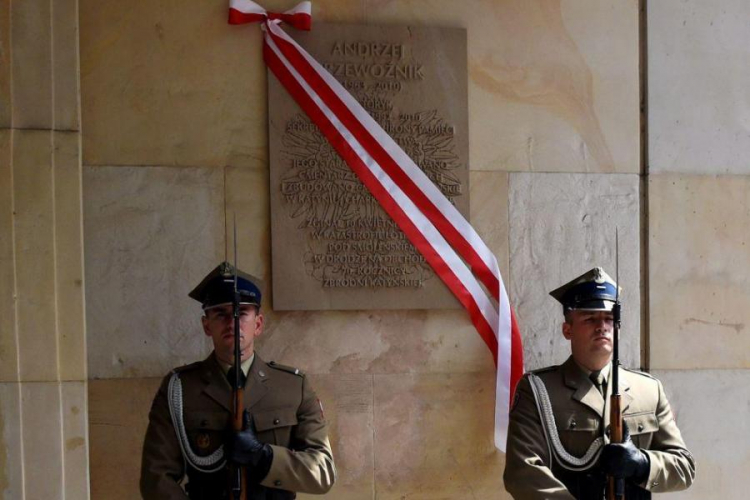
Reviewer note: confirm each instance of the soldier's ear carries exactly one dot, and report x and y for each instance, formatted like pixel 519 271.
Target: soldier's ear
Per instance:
pixel 204 322
pixel 566 330
pixel 259 322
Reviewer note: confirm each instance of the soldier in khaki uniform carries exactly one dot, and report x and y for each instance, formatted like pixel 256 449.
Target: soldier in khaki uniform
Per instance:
pixel 284 445
pixel 558 444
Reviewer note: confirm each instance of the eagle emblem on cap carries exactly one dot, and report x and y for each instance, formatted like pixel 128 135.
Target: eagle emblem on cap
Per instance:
pixel 599 275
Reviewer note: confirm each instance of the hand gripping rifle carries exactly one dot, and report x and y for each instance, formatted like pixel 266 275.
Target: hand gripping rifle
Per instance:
pixel 238 475
pixel 616 486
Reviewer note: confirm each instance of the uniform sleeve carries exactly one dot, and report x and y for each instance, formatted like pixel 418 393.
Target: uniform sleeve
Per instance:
pixel 527 474
pixel 672 465
pixel 307 465
pixel 162 466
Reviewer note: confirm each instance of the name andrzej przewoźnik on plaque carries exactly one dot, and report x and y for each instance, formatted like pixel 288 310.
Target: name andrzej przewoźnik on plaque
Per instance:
pixel 333 246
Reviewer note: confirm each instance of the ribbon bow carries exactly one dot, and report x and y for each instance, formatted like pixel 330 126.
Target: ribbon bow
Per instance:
pixel 247 11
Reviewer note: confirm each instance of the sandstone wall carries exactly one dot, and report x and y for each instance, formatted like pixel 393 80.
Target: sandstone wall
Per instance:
pixel 172 105
pixel 43 389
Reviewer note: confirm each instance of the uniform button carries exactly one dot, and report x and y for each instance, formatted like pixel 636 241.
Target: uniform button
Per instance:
pixel 261 373
pixel 655 483
pixel 640 427
pixel 573 424
pixel 276 421
pixel 277 482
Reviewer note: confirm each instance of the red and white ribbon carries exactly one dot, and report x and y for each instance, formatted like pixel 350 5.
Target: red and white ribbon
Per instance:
pixel 433 225
pixel 246 11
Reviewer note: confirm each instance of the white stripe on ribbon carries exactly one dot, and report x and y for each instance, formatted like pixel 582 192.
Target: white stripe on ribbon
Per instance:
pixel 413 171
pixel 407 194
pixel 428 230
pixel 503 378
pixel 403 161
pixel 500 323
pixel 250 7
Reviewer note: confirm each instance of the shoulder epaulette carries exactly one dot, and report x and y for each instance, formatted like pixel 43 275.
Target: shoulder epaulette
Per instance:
pixel 545 369
pixel 185 368
pixel 284 368
pixel 637 372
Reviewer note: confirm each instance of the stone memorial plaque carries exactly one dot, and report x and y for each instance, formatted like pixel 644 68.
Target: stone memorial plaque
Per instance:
pixel 333 247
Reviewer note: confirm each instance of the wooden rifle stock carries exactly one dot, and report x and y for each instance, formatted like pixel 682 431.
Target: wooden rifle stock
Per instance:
pixel 615 487
pixel 237 472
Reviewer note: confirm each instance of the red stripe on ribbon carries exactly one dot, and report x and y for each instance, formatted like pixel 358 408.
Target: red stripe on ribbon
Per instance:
pixel 412 202
pixel 300 20
pixel 390 166
pixel 393 209
pixel 516 355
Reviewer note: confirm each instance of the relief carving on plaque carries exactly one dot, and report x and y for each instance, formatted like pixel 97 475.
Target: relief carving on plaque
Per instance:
pixel 344 243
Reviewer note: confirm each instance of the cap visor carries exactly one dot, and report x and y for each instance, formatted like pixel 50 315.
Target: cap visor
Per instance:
pixel 594 305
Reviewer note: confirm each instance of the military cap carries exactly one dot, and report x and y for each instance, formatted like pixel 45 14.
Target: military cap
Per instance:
pixel 217 288
pixel 592 291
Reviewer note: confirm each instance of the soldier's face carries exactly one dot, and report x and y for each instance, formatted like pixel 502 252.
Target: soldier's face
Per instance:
pixel 218 323
pixel 590 334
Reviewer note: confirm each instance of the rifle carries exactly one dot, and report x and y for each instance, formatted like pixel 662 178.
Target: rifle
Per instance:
pixel 615 486
pixel 238 474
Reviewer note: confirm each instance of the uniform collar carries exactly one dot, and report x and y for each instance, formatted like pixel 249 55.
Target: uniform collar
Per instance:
pixel 217 387
pixel 604 371
pixel 586 393
pixel 245 365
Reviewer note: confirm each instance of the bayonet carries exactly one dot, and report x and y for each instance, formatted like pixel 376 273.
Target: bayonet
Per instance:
pixel 615 486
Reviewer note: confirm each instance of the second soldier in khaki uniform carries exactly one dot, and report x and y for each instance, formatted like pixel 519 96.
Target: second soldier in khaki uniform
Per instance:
pixel 284 447
pixel 559 422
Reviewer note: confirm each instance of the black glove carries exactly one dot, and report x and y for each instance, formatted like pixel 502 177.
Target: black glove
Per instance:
pixel 624 460
pixel 246 449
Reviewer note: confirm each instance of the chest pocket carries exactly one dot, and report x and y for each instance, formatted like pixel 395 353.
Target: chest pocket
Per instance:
pixel 275 426
pixel 577 431
pixel 206 430
pixel 642 427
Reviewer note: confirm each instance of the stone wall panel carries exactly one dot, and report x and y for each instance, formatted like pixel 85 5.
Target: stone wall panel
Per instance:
pixel 117 421
pixel 71 327
pixel 31 39
pixel 699 65
pixel 433 437
pixel 33 191
pixel 711 408
pixel 699 243
pixel 347 402
pixel 146 74
pixel 155 232
pixel 375 342
pixel 562 225
pixel 42 440
pixel 65 65
pixel 489 214
pixel 6 103
pixel 75 443
pixel 553 86
pixel 8 338
pixel 11 442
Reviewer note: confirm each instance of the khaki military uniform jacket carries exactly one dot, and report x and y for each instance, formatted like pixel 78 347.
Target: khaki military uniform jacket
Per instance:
pixel 580 411
pixel 285 412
